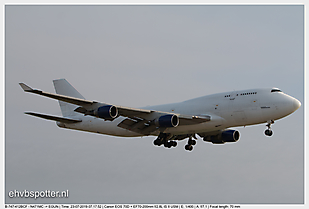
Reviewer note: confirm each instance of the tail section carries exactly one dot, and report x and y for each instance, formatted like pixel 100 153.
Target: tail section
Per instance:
pixel 63 87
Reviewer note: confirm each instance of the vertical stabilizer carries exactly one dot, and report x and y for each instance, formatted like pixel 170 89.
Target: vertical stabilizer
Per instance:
pixel 63 87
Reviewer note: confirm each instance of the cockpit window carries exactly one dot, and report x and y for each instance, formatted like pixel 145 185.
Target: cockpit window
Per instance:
pixel 276 90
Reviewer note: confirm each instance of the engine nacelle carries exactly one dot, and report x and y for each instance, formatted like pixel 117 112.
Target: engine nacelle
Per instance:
pixel 223 137
pixel 167 121
pixel 107 112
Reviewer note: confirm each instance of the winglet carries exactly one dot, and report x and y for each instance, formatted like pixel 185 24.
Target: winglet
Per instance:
pixel 25 87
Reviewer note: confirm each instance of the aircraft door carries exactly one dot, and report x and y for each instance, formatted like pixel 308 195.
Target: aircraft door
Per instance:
pixel 233 100
pixel 233 95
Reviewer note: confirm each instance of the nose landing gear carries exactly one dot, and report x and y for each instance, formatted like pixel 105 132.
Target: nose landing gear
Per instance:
pixel 268 131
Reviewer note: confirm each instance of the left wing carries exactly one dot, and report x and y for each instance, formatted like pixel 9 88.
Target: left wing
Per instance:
pixel 137 120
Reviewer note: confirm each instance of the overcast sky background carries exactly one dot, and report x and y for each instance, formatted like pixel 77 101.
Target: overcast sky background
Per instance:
pixel 146 55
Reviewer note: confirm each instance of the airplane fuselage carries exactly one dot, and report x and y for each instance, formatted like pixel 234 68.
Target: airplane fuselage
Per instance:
pixel 230 109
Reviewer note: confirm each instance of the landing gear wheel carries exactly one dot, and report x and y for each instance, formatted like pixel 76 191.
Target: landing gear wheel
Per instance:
pixel 160 140
pixel 189 147
pixel 174 144
pixel 166 144
pixel 268 132
pixel 156 142
pixel 191 143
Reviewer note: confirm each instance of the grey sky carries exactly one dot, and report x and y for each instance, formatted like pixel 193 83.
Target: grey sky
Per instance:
pixel 146 55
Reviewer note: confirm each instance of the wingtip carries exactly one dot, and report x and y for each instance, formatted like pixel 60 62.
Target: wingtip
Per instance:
pixel 25 87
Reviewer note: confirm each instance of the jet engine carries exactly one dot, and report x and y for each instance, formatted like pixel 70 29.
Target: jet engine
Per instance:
pixel 107 112
pixel 224 136
pixel 167 121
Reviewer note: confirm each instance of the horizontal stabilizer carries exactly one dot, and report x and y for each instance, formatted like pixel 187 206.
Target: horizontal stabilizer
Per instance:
pixel 55 118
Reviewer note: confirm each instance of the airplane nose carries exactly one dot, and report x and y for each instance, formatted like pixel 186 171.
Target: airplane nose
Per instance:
pixel 296 104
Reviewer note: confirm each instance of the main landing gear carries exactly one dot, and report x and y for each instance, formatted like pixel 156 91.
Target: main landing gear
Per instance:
pixel 268 131
pixel 169 140
pixel 165 139
pixel 191 143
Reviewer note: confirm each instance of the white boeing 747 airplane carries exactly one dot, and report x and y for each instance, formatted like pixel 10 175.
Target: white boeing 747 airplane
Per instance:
pixel 207 116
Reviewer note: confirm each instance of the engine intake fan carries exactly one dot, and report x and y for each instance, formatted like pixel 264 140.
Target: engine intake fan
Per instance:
pixel 167 121
pixel 107 112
